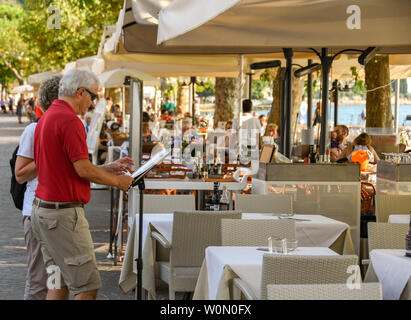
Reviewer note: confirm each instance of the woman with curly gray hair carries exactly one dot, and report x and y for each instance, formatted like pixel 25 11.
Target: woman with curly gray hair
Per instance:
pixel 48 92
pixel 26 171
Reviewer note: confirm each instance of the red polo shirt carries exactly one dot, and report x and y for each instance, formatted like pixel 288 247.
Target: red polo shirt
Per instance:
pixel 59 141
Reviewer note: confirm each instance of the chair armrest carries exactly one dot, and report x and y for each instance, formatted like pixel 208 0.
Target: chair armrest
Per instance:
pixel 365 261
pixel 244 289
pixel 160 238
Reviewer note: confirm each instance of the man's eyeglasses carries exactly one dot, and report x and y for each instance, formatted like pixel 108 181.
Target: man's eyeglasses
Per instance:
pixel 93 96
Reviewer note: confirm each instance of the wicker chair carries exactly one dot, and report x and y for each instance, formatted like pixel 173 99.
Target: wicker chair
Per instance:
pixel 267 203
pixel 156 203
pixel 368 291
pixel 236 232
pixel 293 269
pixel 193 232
pixel 388 204
pixel 386 235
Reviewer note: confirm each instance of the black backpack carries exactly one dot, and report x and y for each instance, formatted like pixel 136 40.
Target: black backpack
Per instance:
pixel 16 189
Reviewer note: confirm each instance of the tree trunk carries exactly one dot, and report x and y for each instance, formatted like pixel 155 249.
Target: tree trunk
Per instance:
pixel 183 98
pixel 275 116
pixel 12 69
pixel 378 105
pixel 297 94
pixel 226 96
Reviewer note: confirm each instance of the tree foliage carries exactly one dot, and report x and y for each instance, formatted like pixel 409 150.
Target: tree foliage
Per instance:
pixel 77 35
pixel 205 89
pixel 38 36
pixel 14 61
pixel 258 87
pixel 358 87
pixel 403 87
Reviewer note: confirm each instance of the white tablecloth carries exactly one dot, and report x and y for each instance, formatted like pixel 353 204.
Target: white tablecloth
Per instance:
pixel 393 270
pixel 399 218
pixel 246 262
pixel 320 231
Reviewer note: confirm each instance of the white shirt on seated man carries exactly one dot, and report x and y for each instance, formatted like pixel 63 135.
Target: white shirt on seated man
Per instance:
pixel 249 132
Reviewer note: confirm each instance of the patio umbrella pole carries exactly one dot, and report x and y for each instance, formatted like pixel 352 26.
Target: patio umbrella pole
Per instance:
pixel 335 86
pixel 309 98
pixel 288 54
pixel 250 81
pixel 282 112
pixel 193 104
pixel 123 93
pixel 326 62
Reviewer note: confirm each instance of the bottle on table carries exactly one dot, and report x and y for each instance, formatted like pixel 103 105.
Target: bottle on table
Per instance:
pixel 215 199
pixel 220 169
pixel 205 171
pixel 312 156
pixel 199 170
pixel 225 199
pixel 327 156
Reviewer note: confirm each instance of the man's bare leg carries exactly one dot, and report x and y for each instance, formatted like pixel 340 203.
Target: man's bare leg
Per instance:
pixel 58 294
pixel 87 295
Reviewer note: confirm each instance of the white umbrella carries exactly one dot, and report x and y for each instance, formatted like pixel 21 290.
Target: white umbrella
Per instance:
pixel 22 89
pixel 288 24
pixel 300 25
pixel 94 64
pixel 133 45
pixel 37 78
pixel 115 78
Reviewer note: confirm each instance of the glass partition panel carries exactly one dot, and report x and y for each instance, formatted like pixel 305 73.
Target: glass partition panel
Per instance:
pixel 337 200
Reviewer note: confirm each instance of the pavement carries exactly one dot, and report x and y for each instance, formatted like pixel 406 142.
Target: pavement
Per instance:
pixel 13 266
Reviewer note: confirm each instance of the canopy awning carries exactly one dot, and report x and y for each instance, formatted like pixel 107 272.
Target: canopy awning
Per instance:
pixel 94 64
pixel 37 78
pixel 115 78
pixel 22 89
pixel 294 24
pixel 133 45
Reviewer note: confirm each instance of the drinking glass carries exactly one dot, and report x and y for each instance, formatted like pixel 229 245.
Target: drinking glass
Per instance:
pixel 292 244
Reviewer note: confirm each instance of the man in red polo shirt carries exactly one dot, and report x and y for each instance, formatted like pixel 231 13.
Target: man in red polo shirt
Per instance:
pixel 64 174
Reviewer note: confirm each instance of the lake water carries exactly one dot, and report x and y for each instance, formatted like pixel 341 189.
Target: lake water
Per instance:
pixel 351 115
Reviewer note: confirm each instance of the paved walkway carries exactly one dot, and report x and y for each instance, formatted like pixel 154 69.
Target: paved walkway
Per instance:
pixel 12 247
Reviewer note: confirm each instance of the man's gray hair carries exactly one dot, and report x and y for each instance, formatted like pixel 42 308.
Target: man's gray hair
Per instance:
pixel 76 79
pixel 49 91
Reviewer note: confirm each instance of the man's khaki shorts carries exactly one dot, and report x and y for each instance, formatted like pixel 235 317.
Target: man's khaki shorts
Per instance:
pixel 66 242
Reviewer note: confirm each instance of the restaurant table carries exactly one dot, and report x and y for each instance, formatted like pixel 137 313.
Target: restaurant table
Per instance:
pixel 399 218
pixel 319 231
pixel 198 185
pixel 222 264
pixel 392 269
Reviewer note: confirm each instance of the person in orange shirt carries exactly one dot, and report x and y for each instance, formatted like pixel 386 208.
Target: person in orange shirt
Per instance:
pixel 38 110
